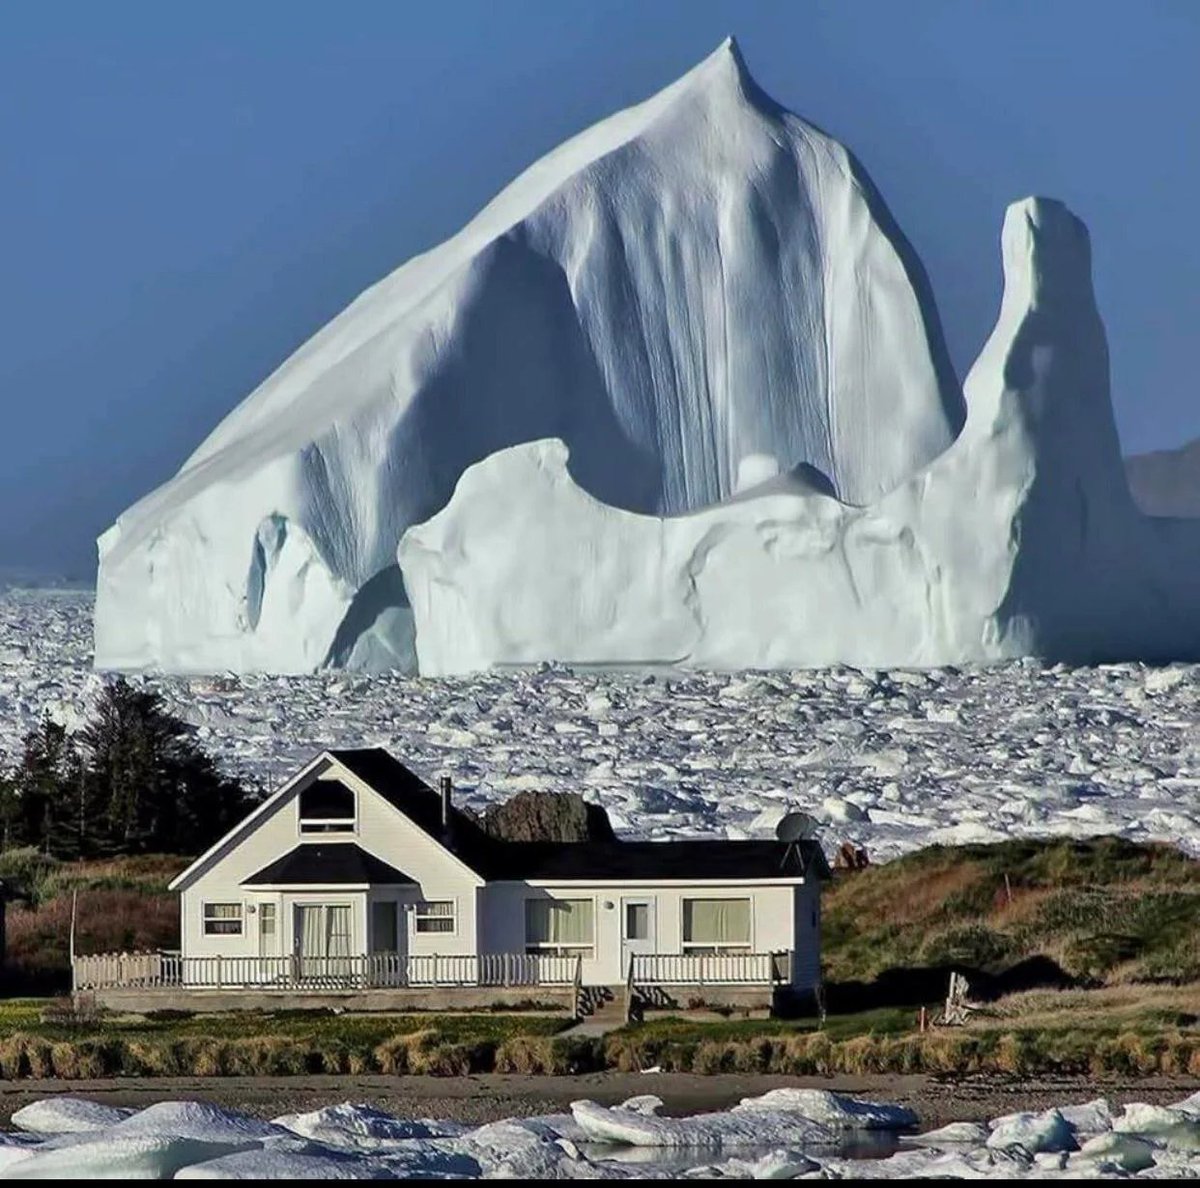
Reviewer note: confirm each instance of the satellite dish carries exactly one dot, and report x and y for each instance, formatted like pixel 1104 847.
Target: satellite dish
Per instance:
pixel 796 827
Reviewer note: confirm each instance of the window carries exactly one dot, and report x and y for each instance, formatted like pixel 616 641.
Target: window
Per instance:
pixel 222 919
pixel 266 930
pixel 384 935
pixel 327 807
pixel 637 921
pixel 562 926
pixel 436 915
pixel 716 925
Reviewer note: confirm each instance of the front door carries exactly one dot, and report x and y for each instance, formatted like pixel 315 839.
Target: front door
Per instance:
pixel 637 929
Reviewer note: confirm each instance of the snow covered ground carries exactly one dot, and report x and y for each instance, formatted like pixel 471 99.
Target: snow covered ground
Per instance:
pixel 786 1134
pixel 890 760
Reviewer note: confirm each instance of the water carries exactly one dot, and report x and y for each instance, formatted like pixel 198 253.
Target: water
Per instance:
pixel 866 1144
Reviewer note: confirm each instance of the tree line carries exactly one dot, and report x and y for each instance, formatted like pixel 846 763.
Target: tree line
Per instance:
pixel 133 780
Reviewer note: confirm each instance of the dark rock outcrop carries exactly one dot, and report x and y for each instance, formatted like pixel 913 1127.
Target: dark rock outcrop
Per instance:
pixel 547 817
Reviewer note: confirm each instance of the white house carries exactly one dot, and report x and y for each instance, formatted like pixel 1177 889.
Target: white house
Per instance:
pixel 355 877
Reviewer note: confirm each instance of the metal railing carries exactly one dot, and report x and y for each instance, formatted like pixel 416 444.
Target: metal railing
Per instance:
pixel 711 969
pixel 373 971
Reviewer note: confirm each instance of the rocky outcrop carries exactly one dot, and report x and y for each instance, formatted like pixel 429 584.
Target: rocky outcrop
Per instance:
pixel 547 817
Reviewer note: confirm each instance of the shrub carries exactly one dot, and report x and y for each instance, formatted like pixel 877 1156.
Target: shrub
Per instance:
pixel 541 1055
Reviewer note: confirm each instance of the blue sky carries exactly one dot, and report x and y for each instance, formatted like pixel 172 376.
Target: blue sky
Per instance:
pixel 188 191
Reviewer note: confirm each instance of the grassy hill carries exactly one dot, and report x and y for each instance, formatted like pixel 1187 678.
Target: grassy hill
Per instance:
pixel 123 904
pixel 1102 911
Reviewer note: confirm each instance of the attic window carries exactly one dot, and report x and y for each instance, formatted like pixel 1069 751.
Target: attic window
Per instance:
pixel 327 806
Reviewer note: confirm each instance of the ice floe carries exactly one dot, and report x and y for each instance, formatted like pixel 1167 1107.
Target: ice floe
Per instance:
pixel 784 1134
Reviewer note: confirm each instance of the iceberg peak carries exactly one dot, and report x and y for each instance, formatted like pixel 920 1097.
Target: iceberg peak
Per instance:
pixel 698 295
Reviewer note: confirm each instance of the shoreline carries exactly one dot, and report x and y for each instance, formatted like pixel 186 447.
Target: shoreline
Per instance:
pixel 487 1097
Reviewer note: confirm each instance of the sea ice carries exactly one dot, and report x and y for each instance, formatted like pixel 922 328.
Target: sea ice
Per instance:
pixel 637 1144
pixel 67 1115
pixel 1048 1131
pixel 734 1128
pixel 833 1110
pixel 1033 750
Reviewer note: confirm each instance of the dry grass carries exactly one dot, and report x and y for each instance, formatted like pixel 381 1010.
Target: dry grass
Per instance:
pixel 123 904
pixel 108 920
pixel 1104 1006
pixel 1103 910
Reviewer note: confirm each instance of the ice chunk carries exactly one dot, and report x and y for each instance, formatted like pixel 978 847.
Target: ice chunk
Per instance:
pixel 199 1120
pixel 833 1110
pixel 1127 1152
pixel 67 1115
pixel 1033 1133
pixel 734 1128
pixel 363 1127
pixel 108 1156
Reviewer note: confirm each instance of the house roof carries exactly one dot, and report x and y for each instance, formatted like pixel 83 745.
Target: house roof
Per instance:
pixel 684 859
pixel 325 863
pixel 495 860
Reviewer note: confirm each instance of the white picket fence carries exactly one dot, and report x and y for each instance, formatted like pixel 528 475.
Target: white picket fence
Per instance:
pixel 373 971
pixel 711 969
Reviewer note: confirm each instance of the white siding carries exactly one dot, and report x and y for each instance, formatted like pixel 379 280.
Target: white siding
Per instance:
pixel 381 830
pixel 503 918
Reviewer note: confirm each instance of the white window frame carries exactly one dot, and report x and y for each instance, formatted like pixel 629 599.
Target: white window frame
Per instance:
pixel 715 947
pixel 557 948
pixel 419 917
pixel 206 919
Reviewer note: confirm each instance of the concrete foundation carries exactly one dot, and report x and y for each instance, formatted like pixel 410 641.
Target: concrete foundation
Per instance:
pixel 551 999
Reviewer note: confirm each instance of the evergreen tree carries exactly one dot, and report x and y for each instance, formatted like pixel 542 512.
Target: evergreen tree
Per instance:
pixel 12 831
pixel 48 773
pixel 149 782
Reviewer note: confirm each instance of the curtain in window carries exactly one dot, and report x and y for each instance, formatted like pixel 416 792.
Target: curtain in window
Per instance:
pixel 310 932
pixel 435 915
pixel 338 935
pixel 558 922
pixel 716 921
pixel 222 919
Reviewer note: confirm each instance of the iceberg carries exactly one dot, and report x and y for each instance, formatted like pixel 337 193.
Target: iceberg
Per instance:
pixel 703 296
pixel 1020 539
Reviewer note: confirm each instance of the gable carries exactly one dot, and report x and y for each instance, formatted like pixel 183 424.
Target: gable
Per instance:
pixel 382 830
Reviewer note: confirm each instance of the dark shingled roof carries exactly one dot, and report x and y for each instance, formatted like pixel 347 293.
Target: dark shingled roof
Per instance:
pixel 312 863
pixel 683 859
pixel 496 860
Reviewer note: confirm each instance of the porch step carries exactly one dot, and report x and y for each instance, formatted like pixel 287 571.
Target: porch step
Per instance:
pixel 610 1012
pixel 602 1004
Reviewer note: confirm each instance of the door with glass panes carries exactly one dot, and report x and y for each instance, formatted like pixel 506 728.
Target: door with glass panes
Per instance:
pixel 637 928
pixel 323 939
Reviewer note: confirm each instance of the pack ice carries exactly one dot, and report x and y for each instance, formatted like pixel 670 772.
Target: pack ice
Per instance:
pixel 698 295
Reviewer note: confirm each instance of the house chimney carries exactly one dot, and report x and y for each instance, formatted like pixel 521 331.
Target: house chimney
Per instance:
pixel 444 784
